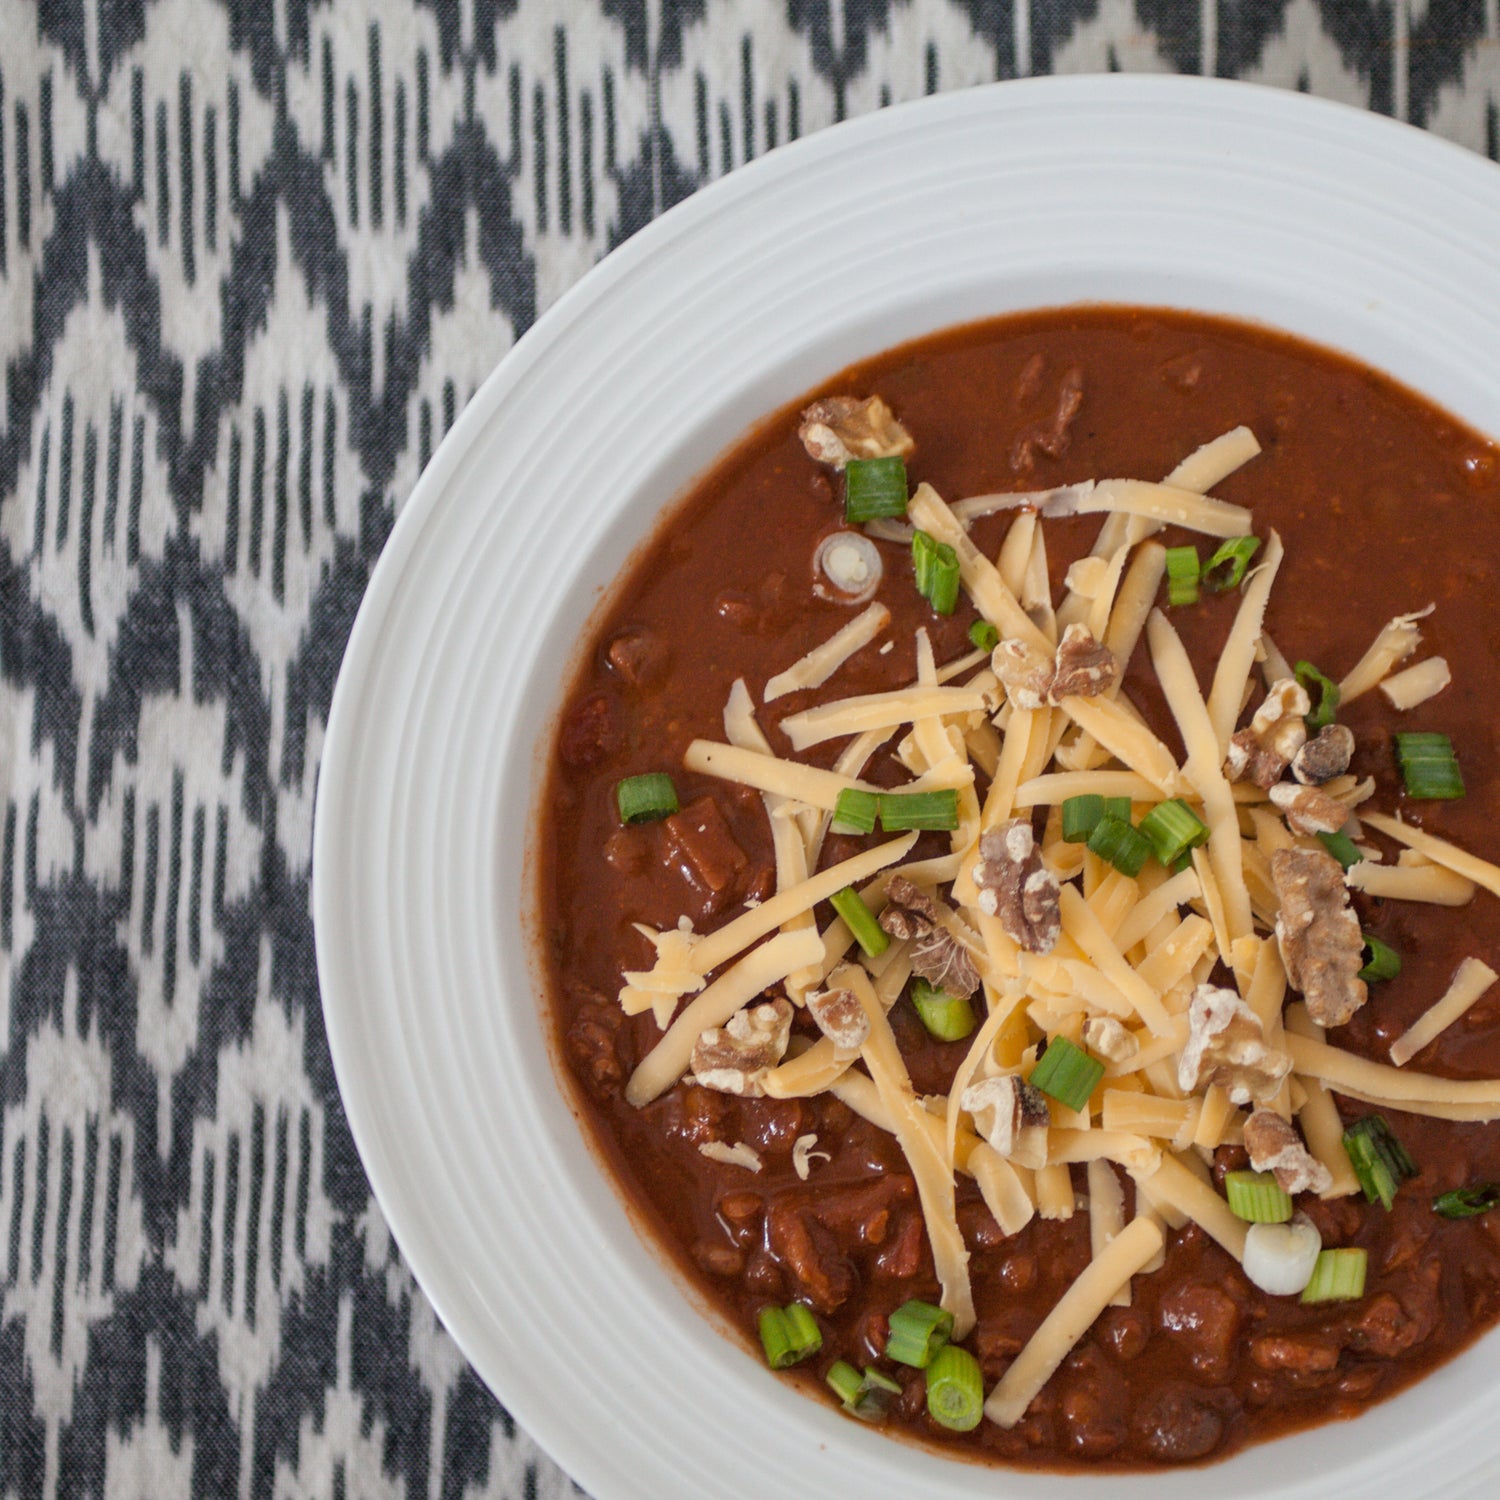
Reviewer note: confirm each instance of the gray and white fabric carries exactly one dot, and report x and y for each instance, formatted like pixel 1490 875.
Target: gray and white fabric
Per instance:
pixel 254 257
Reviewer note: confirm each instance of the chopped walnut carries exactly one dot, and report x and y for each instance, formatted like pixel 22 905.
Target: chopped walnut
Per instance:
pixel 1025 674
pixel 1017 887
pixel 1085 667
pixel 1318 934
pixel 1110 1039
pixel 1012 1116
pixel 735 1058
pixel 840 1017
pixel 839 428
pixel 1277 732
pixel 936 955
pixel 1226 1045
pixel 1307 809
pixel 1325 756
pixel 1274 1146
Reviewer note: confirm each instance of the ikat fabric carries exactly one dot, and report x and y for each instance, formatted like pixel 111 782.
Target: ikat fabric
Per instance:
pixel 255 255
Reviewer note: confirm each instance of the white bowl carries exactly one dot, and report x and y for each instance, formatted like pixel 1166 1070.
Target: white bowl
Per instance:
pixel 1331 223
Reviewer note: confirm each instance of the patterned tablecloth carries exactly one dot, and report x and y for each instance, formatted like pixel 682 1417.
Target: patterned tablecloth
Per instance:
pixel 254 256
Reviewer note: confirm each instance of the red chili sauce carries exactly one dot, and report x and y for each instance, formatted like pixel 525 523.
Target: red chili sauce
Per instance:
pixel 1385 505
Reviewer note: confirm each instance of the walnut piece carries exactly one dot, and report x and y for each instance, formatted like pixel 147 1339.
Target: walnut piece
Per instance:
pixel 1226 1045
pixel 1276 733
pixel 936 955
pixel 735 1058
pixel 1025 674
pixel 1274 1146
pixel 1318 934
pixel 1085 667
pixel 1017 887
pixel 1307 809
pixel 839 428
pixel 1012 1116
pixel 840 1017
pixel 1325 756
pixel 1110 1039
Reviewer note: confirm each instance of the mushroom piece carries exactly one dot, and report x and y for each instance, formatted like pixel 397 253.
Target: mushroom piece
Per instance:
pixel 847 568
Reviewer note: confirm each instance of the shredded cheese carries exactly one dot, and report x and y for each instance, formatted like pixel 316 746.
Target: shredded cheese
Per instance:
pixel 1057 786
pixel 1215 461
pixel 1106 1216
pixel 1159 502
pixel 768 773
pixel 1175 1185
pixel 1395 1087
pixel 1430 883
pixel 1396 641
pixel 1237 658
pixel 1469 983
pixel 878 711
pixel 815 668
pixel 1417 684
pixel 1439 851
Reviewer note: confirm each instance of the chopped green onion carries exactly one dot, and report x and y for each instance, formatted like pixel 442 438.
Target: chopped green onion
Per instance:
pixel 1383 963
pixel 937 572
pixel 955 1389
pixel 1328 695
pixel 866 1396
pixel 927 810
pixel 1067 1073
pixel 1117 807
pixel 1225 570
pixel 1467 1202
pixel 1173 829
pixel 918 1331
pixel 860 920
pixel 643 799
pixel 1080 816
pixel 874 489
pixel 1126 848
pixel 1429 767
pixel 789 1334
pixel 950 1018
pixel 984 635
pixel 1257 1197
pixel 1341 847
pixel 1379 1160
pixel 1338 1276
pixel 855 812
pixel 1182 575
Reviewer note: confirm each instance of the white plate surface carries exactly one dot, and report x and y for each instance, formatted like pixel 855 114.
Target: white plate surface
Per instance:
pixel 1331 223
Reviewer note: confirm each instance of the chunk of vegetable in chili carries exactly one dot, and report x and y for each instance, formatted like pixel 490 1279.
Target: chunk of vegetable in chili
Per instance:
pixel 1429 767
pixel 1173 828
pixel 1225 570
pixel 1383 962
pixel 918 1331
pixel 789 1334
pixel 1327 703
pixel 936 565
pixel 1182 575
pixel 1067 1073
pixel 643 799
pixel 855 812
pixel 1338 1276
pixel 874 489
pixel 860 920
pixel 955 1389
pixel 949 1018
pixel 1379 1160
pixel 1257 1197
pixel 1467 1202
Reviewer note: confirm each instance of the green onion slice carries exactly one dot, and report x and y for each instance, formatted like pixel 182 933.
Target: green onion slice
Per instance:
pixel 1173 828
pixel 950 1018
pixel 643 799
pixel 1182 575
pixel 918 1331
pixel 1225 570
pixel 1338 1276
pixel 1341 847
pixel 1067 1073
pixel 936 564
pixel 789 1334
pixel 874 489
pixel 1428 767
pixel 868 933
pixel 1327 704
pixel 1257 1197
pixel 866 1396
pixel 1467 1202
pixel 955 1389
pixel 1379 1160
pixel 984 635
pixel 1383 961
pixel 855 812
pixel 925 810
pixel 1080 816
pixel 1126 848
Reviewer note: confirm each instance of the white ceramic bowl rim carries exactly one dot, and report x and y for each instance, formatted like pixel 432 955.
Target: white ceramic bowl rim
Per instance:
pixel 1335 224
